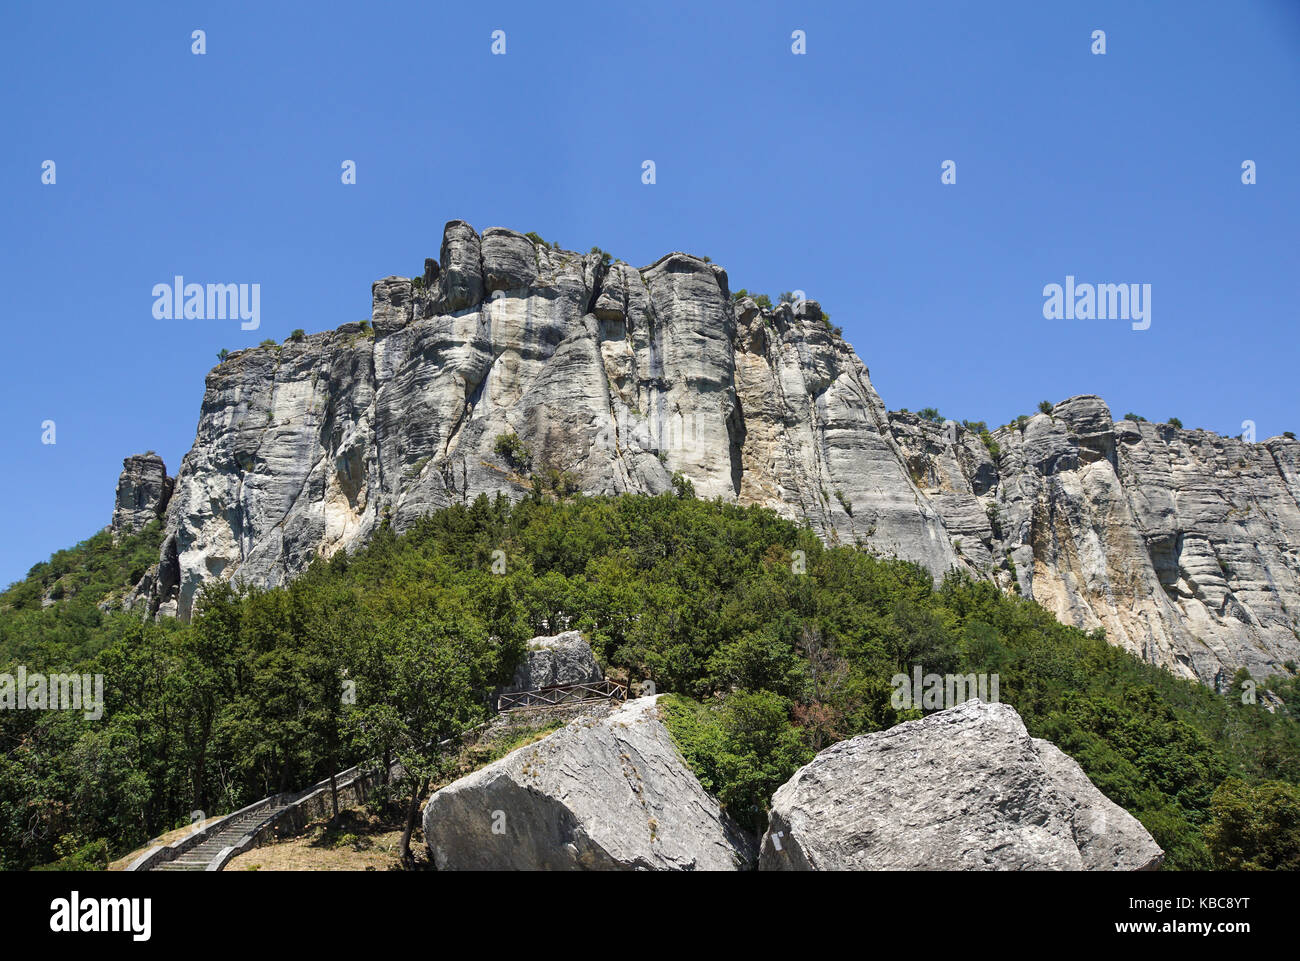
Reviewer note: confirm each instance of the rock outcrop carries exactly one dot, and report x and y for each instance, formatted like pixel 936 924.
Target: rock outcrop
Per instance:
pixel 1183 545
pixel 550 661
pixel 598 794
pixel 963 789
pixel 143 489
pixel 613 379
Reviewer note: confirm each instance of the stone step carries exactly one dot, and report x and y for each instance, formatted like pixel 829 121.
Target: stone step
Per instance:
pixel 201 855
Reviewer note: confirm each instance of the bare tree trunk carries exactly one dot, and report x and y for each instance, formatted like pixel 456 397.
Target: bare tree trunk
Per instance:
pixel 412 812
pixel 334 766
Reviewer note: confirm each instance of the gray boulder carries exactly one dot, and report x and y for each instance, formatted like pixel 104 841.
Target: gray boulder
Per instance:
pixel 963 789
pixel 562 659
pixel 606 794
pixel 1109 838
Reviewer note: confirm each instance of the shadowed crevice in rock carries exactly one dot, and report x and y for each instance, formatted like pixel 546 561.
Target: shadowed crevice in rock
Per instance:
pixel 143 490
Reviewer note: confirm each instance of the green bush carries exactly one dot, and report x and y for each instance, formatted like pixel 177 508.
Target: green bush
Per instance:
pixel 741 750
pixel 762 300
pixel 76 856
pixel 1255 828
pixel 512 450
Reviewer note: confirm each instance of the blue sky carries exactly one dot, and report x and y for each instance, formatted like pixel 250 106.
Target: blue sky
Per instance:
pixel 818 172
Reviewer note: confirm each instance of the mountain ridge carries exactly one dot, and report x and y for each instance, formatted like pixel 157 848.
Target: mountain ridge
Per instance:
pixel 511 365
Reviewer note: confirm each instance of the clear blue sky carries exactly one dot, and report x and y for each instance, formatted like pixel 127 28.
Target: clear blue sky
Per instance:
pixel 818 172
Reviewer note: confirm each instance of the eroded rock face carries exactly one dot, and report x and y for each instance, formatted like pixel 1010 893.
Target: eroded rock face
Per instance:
pixel 550 661
pixel 143 489
pixel 599 794
pixel 1183 545
pixel 964 789
pixel 615 376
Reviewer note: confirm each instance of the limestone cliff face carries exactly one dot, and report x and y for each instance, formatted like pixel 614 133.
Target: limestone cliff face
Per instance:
pixel 615 378
pixel 1183 545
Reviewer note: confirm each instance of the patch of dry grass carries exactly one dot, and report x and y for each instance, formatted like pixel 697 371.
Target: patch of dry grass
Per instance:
pixel 357 840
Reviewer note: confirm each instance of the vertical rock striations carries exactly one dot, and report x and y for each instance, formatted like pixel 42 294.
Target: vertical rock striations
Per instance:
pixel 1183 545
pixel 613 379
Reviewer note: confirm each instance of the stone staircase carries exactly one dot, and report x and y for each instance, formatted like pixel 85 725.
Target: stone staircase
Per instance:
pixel 198 857
pixel 201 856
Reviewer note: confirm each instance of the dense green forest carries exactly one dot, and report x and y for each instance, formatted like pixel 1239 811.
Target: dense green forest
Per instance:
pixel 771 644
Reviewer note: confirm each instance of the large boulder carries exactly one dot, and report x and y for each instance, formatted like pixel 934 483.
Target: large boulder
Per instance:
pixel 963 789
pixel 561 659
pixel 1108 837
pixel 599 794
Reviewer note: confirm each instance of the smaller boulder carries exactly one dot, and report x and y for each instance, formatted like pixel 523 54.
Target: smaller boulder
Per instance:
pixel 560 659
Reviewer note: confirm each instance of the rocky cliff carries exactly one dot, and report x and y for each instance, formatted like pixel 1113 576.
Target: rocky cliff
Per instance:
pixel 510 363
pixel 612 379
pixel 1183 545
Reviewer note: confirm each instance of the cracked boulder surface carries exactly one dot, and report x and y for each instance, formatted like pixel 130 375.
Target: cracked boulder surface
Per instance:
pixel 555 660
pixel 608 793
pixel 966 789
pixel 1183 545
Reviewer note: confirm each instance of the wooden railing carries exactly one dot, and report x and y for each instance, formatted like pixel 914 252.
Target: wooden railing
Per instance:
pixel 562 694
